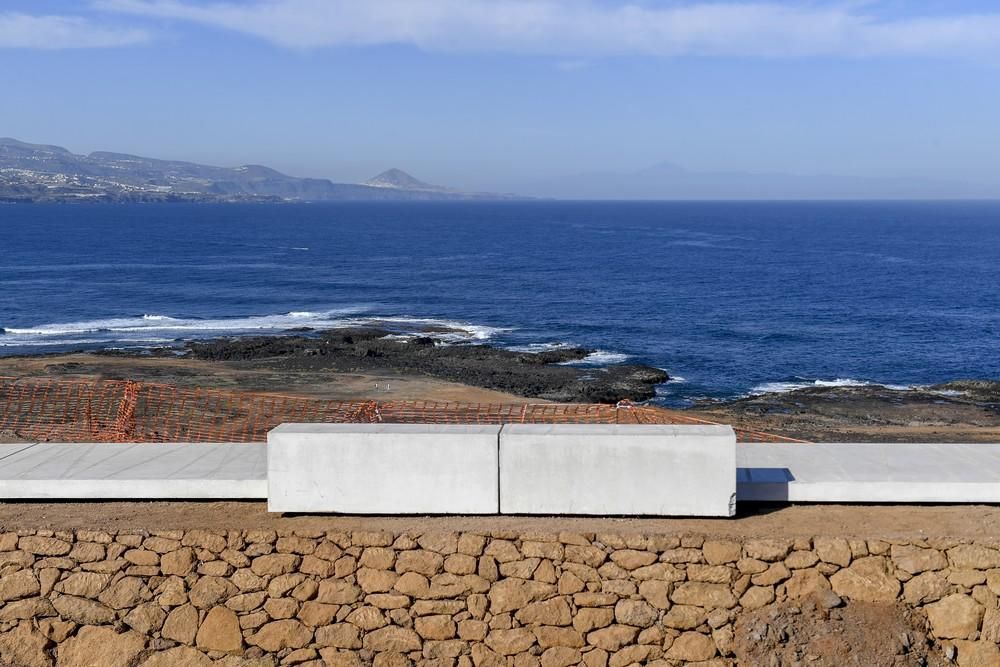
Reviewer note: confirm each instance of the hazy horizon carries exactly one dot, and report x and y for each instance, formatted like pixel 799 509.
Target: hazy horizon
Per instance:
pixel 671 182
pixel 885 99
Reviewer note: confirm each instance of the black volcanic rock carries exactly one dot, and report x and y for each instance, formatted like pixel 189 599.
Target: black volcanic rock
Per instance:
pixel 371 350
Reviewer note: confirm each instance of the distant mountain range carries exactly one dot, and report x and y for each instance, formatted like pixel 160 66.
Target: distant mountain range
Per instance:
pixel 673 182
pixel 41 173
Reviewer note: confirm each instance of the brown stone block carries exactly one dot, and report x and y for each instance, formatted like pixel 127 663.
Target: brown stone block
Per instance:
pixel 278 635
pixel 220 631
pixel 866 579
pixel 392 638
pixel 613 637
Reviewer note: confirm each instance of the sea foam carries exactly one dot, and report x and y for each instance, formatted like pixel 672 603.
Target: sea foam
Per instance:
pixel 600 358
pixel 784 387
pixel 595 358
pixel 159 328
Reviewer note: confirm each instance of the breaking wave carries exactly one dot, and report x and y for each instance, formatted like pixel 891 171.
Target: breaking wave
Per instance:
pixel 156 328
pixel 784 387
pixel 600 358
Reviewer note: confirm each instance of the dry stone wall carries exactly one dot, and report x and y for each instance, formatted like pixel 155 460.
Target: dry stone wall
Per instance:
pixel 511 599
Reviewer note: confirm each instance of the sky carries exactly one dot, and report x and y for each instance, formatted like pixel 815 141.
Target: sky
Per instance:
pixel 507 94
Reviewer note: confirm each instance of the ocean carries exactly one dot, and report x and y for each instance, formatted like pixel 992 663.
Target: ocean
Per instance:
pixel 729 298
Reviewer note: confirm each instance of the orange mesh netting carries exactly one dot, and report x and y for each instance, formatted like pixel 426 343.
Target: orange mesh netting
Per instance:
pixel 126 411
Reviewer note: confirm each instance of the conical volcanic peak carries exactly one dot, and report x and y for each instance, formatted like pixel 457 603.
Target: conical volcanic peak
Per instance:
pixel 400 180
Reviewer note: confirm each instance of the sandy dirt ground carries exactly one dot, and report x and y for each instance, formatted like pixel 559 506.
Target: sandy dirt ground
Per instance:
pixel 860 634
pixel 862 521
pixel 869 414
pixel 222 375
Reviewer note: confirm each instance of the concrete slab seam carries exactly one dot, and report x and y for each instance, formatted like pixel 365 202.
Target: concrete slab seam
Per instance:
pixel 499 439
pixel 18 451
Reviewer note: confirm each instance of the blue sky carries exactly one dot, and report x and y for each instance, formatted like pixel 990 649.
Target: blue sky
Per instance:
pixel 495 94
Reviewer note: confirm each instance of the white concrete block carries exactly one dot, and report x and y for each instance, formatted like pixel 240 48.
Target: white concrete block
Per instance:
pixel 383 468
pixel 106 471
pixel 624 469
pixel 869 472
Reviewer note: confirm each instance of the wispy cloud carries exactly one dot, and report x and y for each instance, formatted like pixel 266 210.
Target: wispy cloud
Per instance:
pixel 578 28
pixel 26 31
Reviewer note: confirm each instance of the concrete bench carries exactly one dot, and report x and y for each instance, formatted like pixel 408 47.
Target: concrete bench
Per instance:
pixel 598 469
pixel 383 468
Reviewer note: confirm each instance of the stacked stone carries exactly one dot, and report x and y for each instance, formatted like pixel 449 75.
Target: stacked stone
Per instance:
pixel 508 599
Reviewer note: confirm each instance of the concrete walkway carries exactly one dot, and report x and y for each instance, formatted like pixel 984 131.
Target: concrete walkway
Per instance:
pixel 133 471
pixel 855 473
pixel 869 472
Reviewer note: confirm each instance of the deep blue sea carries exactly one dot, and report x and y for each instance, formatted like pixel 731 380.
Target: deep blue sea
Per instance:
pixel 729 298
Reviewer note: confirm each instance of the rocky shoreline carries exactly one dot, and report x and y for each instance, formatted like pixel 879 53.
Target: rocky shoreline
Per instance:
pixel 379 362
pixel 540 375
pixel 957 411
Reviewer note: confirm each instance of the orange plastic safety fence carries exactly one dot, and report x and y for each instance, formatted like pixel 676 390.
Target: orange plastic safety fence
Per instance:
pixel 43 409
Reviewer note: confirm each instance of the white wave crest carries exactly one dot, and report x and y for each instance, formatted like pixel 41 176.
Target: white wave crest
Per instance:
pixel 539 347
pixel 948 393
pixel 784 387
pixel 101 342
pixel 595 358
pixel 444 330
pixel 605 358
pixel 157 328
pixel 600 358
pixel 147 323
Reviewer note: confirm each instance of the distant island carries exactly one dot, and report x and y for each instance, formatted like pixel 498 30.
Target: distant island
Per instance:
pixel 37 173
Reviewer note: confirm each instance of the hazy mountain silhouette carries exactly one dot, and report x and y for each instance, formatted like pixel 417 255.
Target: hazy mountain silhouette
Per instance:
pixel 400 180
pixel 39 172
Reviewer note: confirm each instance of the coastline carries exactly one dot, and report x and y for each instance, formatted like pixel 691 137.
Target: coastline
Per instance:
pixel 369 363
pixel 957 411
pixel 351 363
